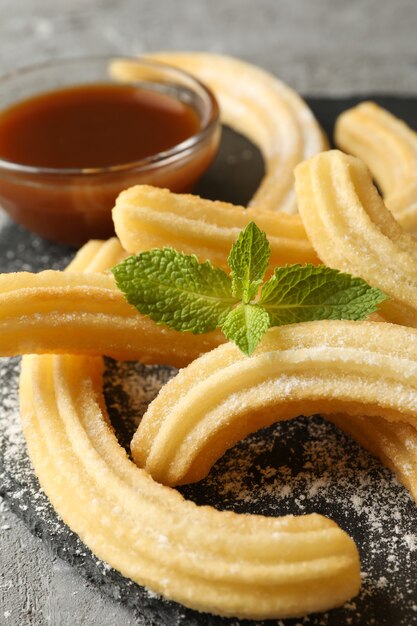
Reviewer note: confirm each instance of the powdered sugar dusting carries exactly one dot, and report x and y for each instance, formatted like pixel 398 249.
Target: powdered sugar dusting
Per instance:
pixel 309 466
pixel 298 467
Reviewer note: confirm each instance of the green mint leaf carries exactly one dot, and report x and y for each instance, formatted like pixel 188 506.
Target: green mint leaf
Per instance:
pixel 297 293
pixel 246 325
pixel 248 261
pixel 176 290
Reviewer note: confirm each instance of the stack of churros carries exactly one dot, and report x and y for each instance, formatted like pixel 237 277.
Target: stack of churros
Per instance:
pixel 362 375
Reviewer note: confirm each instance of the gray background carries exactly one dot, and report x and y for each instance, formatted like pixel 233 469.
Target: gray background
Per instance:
pixel 322 47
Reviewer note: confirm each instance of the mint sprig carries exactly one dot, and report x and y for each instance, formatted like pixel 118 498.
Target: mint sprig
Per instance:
pixel 176 290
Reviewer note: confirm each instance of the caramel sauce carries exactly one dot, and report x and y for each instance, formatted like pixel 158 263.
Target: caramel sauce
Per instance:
pixel 92 126
pixel 94 137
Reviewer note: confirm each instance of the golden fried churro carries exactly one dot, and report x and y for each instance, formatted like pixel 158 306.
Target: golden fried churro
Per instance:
pixel 147 217
pixel 352 230
pixel 241 565
pixel 73 312
pixel 389 148
pixel 317 367
pixel 257 105
pixel 97 256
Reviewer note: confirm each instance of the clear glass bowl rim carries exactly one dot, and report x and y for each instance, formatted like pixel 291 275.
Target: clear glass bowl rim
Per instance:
pixel 154 161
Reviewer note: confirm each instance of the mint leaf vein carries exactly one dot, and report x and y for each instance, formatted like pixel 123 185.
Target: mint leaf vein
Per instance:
pixel 175 289
pixel 246 325
pixel 248 260
pixel 299 293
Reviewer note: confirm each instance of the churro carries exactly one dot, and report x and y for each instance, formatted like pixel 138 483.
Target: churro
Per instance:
pixel 77 313
pixel 257 105
pixel 352 230
pixel 147 217
pixel 389 148
pixel 318 367
pixel 240 565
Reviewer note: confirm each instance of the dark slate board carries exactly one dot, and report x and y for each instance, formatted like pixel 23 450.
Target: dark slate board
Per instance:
pixel 297 467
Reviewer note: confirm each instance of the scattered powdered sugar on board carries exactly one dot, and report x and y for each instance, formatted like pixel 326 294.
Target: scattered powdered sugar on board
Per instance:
pixel 298 467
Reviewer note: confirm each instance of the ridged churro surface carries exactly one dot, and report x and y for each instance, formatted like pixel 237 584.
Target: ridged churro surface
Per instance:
pixel 352 230
pixel 147 217
pixel 361 368
pixel 76 313
pixel 389 148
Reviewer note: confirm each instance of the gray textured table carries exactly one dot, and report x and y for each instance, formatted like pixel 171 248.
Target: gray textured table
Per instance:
pixel 322 47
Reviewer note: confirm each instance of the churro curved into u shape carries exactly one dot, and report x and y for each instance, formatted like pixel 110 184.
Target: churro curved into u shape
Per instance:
pixel 359 368
pixel 234 565
pixel 389 148
pixel 257 105
pixel 352 230
pixel 148 217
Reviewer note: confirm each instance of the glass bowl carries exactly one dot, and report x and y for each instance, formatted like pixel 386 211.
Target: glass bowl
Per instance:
pixel 70 206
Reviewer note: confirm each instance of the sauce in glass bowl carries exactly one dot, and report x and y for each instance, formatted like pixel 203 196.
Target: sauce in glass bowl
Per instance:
pixel 92 126
pixel 68 150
